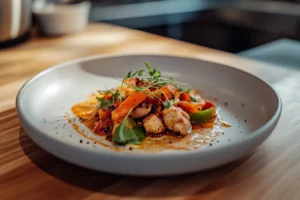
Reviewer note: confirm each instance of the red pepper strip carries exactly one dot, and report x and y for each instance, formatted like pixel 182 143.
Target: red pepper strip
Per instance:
pixel 208 105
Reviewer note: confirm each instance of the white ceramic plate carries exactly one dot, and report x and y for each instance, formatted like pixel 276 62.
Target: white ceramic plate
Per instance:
pixel 44 100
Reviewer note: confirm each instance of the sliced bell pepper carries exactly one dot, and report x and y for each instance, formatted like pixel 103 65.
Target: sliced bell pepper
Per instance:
pixel 189 107
pixel 208 105
pixel 168 90
pixel 203 116
pixel 185 96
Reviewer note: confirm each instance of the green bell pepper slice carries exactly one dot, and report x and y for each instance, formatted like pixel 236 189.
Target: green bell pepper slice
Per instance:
pixel 203 116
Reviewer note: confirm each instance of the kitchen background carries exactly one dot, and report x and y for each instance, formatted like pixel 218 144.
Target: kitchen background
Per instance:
pixel 228 25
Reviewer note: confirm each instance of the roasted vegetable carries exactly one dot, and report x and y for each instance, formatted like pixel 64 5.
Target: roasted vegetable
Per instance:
pixel 167 92
pixel 189 107
pixel 104 114
pixel 129 103
pixel 203 116
pixel 185 96
pixel 208 105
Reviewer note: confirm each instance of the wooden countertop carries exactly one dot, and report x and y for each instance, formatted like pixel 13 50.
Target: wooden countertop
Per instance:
pixel 28 172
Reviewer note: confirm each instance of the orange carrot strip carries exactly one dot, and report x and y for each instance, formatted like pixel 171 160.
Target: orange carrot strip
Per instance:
pixel 131 101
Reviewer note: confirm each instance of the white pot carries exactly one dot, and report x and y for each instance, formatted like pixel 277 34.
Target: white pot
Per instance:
pixel 62 19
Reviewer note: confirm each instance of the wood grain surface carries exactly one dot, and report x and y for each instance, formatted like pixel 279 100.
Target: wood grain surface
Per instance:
pixel 28 172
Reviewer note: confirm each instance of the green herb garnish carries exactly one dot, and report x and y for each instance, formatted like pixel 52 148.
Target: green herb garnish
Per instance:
pixel 193 99
pixel 167 104
pixel 151 81
pixel 154 74
pixel 203 116
pixel 140 73
pixel 104 103
pixel 128 132
pixel 128 74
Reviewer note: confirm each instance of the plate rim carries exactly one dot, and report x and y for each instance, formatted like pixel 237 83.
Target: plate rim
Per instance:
pixel 252 135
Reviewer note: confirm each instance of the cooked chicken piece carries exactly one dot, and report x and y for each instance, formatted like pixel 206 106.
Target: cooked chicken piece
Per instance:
pixel 177 120
pixel 153 124
pixel 141 110
pixel 156 109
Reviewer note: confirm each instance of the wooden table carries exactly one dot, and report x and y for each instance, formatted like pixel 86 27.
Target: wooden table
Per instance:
pixel 28 172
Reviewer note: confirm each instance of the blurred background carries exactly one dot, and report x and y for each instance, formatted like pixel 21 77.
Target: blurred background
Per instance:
pixel 229 25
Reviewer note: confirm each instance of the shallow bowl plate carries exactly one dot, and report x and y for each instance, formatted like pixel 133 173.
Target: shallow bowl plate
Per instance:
pixel 249 104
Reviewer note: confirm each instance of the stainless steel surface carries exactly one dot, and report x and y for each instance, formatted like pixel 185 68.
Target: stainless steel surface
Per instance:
pixel 15 19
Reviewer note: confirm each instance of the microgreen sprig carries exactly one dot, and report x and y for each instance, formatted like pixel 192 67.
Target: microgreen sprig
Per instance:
pixel 104 103
pixel 150 82
pixel 154 74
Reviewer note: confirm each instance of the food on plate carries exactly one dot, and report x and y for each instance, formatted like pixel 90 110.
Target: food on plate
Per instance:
pixel 147 105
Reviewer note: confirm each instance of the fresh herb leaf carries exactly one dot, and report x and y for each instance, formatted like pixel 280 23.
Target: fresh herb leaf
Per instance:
pixel 103 102
pixel 124 135
pixel 132 75
pixel 127 132
pixel 103 92
pixel 167 104
pixel 139 133
pixel 189 90
pixel 148 66
pixel 193 99
pixel 128 74
pixel 140 73
pixel 155 74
